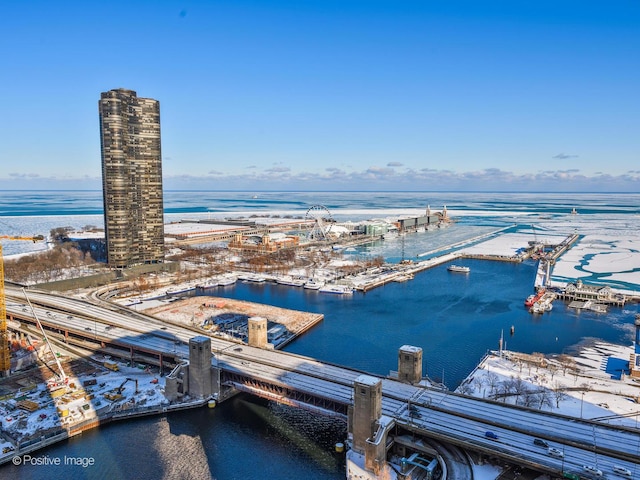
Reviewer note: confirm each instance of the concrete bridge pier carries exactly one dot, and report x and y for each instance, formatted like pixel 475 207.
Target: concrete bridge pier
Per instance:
pixel 195 378
pixel 369 428
pixel 410 364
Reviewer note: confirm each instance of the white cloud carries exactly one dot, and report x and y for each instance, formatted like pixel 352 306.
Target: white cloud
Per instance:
pixel 564 156
pixel 373 178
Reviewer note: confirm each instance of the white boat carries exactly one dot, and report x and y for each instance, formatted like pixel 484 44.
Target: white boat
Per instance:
pixel 227 279
pixel 403 278
pixel 210 283
pixel 339 289
pixel 252 277
pixel 289 280
pixel 179 290
pixel 537 307
pixel 458 268
pixel 312 284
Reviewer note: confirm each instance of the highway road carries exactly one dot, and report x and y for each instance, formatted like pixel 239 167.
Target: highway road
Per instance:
pixel 432 413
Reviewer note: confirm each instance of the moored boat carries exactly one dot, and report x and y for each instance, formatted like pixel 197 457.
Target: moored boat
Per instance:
pixel 339 289
pixel 312 284
pixel 227 279
pixel 291 281
pixel 531 299
pixel 252 277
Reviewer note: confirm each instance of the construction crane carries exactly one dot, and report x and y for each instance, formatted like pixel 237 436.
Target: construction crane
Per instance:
pixel 5 357
pixel 62 377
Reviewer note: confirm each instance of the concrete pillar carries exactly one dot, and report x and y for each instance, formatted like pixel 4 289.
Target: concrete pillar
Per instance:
pixel 171 389
pixel 367 409
pixel 410 364
pixel 200 367
pixel 257 332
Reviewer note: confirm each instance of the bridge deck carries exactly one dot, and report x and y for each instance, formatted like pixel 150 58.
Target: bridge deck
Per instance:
pixel 305 381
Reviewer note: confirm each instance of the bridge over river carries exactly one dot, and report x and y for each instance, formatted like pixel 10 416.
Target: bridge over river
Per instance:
pixel 384 414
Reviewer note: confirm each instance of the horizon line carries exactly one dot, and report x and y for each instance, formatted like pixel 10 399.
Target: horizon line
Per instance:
pixel 572 192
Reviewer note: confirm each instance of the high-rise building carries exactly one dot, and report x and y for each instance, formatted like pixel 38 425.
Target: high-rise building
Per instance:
pixel 131 178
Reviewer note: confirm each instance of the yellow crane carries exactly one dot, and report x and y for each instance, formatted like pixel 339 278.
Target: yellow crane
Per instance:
pixel 5 357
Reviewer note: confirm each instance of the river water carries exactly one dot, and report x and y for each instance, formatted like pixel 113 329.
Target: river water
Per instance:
pixel 455 319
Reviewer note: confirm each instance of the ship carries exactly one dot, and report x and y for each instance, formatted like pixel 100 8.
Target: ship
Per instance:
pixel 458 268
pixel 531 299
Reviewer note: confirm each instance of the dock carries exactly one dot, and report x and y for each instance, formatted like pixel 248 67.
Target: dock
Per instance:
pixel 398 272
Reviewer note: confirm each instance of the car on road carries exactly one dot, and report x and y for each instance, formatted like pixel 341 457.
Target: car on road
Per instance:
pixel 625 472
pixel 413 411
pixel 554 452
pixel 592 470
pixel 541 443
pixel 491 435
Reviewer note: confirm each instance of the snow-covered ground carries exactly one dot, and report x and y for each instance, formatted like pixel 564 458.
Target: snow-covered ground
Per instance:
pixel 584 386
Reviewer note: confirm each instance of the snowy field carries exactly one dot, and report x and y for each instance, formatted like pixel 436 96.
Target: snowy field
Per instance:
pixel 587 392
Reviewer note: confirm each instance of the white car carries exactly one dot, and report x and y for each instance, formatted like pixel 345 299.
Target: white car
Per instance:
pixel 554 452
pixel 592 470
pixel 622 471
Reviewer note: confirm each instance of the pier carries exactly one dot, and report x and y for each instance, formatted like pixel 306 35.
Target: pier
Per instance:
pixel 377 277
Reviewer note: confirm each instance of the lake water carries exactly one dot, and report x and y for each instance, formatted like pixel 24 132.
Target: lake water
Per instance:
pixel 455 318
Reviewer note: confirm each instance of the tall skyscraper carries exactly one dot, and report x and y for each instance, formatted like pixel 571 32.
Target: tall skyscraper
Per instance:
pixel 131 178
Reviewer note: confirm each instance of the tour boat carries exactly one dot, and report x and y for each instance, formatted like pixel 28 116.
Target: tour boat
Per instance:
pixel 458 268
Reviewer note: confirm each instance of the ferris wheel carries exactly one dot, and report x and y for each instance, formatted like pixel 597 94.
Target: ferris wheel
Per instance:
pixel 319 217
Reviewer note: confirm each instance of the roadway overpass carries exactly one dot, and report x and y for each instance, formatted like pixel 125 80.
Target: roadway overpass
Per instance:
pixel 329 389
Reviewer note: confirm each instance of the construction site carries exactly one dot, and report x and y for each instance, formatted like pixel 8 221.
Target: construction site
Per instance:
pixel 54 389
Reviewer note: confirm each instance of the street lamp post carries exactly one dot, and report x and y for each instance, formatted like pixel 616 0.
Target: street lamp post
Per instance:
pixel 581 403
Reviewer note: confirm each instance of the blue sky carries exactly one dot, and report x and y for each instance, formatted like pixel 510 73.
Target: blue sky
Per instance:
pixel 331 94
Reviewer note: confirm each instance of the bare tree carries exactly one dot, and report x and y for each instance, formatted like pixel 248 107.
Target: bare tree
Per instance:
pixel 567 363
pixel 519 387
pixel 558 393
pixel 544 399
pixel 492 382
pixel 466 388
pixel 529 397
